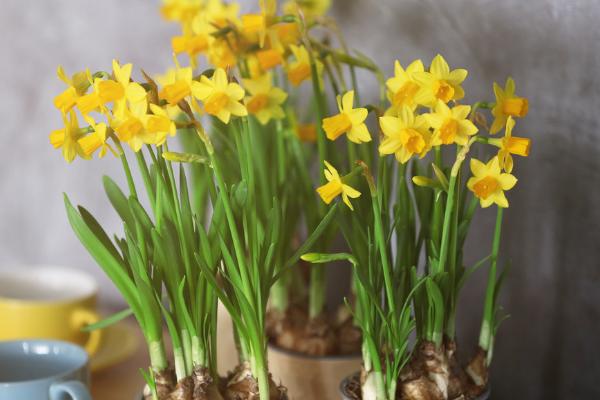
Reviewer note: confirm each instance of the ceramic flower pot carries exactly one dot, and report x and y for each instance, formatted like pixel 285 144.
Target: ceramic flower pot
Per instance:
pixel 346 395
pixel 310 377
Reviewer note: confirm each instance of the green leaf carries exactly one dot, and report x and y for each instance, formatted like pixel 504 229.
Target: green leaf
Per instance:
pixel 436 309
pixel 118 201
pixel 96 228
pixel 312 238
pixel 149 379
pixel 469 271
pixel 111 266
pixel 108 321
pixel 501 280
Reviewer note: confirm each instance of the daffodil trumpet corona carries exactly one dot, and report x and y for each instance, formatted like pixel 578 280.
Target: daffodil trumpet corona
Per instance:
pixel 279 154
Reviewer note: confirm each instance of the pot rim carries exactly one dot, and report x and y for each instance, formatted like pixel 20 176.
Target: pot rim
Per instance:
pixel 483 396
pixel 295 354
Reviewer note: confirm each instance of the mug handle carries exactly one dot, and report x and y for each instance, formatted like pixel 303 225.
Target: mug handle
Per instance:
pixel 82 317
pixel 74 389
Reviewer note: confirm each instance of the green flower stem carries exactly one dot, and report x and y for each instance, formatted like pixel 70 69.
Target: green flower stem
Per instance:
pixel 187 255
pixel 180 367
pixel 321 112
pixel 158 356
pixel 317 290
pixel 363 62
pixel 453 254
pixel 450 203
pixel 198 354
pixel 446 224
pixel 280 295
pixel 436 220
pixel 127 170
pixel 143 166
pixel 381 243
pixel 316 299
pixel 187 350
pixel 463 227
pixel 376 370
pixel 438 211
pixel 261 371
pixel 237 243
pixel 248 350
pixel 403 204
pixel 487 325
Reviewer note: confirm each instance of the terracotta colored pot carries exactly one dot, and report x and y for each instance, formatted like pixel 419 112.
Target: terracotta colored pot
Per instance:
pixel 345 395
pixel 309 377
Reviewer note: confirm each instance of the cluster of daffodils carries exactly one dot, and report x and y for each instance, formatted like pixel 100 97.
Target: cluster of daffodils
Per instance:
pixel 134 113
pixel 224 100
pixel 233 100
pixel 424 113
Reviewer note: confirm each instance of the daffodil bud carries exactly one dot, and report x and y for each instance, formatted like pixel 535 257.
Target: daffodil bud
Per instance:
pixel 184 157
pixel 441 176
pixel 424 181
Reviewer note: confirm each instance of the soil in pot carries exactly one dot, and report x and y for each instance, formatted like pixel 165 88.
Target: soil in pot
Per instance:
pixel 325 335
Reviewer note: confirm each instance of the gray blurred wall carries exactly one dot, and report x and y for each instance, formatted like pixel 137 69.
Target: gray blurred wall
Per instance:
pixel 549 347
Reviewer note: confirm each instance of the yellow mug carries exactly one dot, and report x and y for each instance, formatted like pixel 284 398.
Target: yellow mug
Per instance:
pixel 48 302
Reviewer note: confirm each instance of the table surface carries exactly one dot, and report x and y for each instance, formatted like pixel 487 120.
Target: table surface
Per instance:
pixel 124 380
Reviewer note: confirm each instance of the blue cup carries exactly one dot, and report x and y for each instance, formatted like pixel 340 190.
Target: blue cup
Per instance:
pixel 43 370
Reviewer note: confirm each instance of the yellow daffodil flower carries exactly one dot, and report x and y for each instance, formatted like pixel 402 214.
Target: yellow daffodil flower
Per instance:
pixel 117 91
pixel 255 25
pixel 509 145
pixel 308 8
pixel 221 98
pixel 180 10
pixel 507 105
pixel 196 40
pixel 192 45
pixel 299 70
pixel 265 100
pixel 402 88
pixel 350 121
pixel 258 24
pixel 307 132
pixel 95 140
pixel 77 86
pixel 220 13
pixel 89 102
pixel 489 183
pixel 68 137
pixel 335 186
pixel 176 84
pixel 405 135
pixel 450 124
pixel 221 55
pixel 286 34
pixel 440 83
pixel 269 58
pixel 137 127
